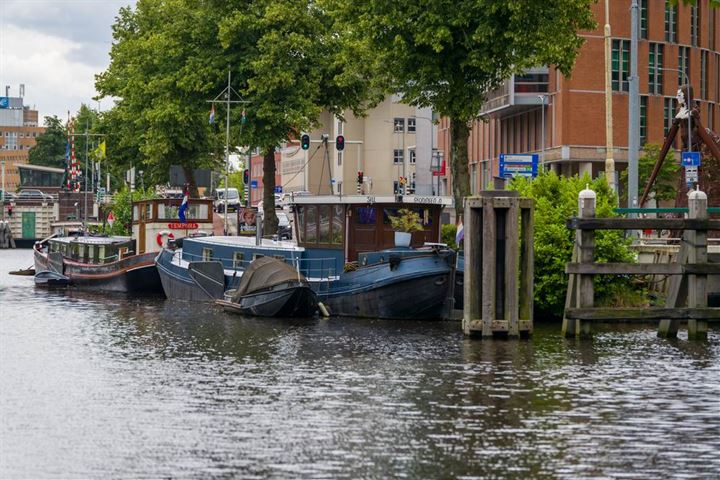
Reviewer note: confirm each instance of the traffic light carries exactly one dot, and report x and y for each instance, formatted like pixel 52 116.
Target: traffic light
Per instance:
pixel 305 141
pixel 340 143
pixel 246 176
pixel 360 177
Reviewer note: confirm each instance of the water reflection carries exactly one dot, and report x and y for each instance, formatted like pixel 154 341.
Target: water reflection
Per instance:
pixel 109 385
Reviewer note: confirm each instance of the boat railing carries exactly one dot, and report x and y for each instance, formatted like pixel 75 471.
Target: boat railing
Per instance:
pixel 320 272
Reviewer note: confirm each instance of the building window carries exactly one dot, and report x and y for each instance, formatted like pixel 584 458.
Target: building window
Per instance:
pixel 643 120
pixel 704 74
pixel 694 21
pixel 411 125
pixel 668 114
pixel 207 254
pixel 399 124
pixel 643 19
pixel 683 64
pixel 398 156
pixel 620 65
pixel 655 76
pixel 411 155
pixel 671 14
pixel 340 154
pixel 711 116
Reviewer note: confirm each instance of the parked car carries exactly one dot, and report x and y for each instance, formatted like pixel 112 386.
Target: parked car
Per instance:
pixel 31 194
pixel 233 200
pixel 284 226
pixel 9 196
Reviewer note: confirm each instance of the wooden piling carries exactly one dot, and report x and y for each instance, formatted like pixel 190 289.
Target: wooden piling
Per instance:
pixel 498 265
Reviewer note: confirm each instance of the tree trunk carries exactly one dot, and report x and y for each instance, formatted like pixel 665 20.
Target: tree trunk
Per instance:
pixel 270 220
pixel 190 180
pixel 459 133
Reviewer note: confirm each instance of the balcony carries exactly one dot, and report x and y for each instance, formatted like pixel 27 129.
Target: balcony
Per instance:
pixel 517 93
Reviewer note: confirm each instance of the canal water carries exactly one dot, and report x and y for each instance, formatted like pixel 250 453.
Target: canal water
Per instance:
pixel 101 386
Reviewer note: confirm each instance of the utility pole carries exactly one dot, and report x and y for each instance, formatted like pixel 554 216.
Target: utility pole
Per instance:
pixel 542 132
pixel 227 92
pixel 2 199
pixel 609 161
pixel 634 112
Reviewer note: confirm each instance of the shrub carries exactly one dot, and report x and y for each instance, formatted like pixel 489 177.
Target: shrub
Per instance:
pixel 556 200
pixel 121 207
pixel 447 235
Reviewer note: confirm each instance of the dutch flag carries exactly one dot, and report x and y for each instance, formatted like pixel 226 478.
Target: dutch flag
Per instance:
pixel 183 206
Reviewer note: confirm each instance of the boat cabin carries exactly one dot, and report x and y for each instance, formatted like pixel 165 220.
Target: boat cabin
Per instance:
pixel 156 221
pixel 92 250
pixel 349 225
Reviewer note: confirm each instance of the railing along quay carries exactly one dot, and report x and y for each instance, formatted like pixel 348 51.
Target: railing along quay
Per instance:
pixel 687 296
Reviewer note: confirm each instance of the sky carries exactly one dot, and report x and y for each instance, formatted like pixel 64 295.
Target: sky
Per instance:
pixel 55 48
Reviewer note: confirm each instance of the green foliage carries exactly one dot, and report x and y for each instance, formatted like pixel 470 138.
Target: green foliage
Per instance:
pixel 448 55
pixel 406 220
pixel 236 181
pixel 121 207
pixel 49 149
pixel 447 235
pixel 165 63
pixel 665 187
pixel 556 200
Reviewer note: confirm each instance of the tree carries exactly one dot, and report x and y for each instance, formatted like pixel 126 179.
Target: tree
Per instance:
pixel 290 59
pixel 556 200
pixel 49 149
pixel 165 63
pixel 449 55
pixel 665 187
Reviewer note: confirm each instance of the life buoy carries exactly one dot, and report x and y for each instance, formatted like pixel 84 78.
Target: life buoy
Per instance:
pixel 164 233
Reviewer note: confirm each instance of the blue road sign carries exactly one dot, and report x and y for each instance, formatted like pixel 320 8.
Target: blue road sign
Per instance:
pixel 253 183
pixel 4 102
pixel 690 159
pixel 278 188
pixel 519 165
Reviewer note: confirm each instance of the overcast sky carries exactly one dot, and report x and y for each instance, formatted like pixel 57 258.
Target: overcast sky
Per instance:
pixel 55 47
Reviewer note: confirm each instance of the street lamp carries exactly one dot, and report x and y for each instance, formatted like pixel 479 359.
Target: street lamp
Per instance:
pixel 689 102
pixel 542 133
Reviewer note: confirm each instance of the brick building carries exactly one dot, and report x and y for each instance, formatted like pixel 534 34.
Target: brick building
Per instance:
pixel 18 131
pixel 573 109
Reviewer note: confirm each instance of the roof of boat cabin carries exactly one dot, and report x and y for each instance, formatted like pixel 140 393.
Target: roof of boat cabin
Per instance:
pixel 232 241
pixel 92 240
pixel 407 200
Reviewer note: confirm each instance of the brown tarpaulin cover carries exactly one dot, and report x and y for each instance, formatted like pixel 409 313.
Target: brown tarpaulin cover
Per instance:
pixel 265 272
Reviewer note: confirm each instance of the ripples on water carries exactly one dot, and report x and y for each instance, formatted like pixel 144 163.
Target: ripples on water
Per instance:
pixel 113 386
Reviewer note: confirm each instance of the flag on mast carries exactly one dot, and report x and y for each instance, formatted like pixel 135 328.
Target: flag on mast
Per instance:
pixel 460 233
pixel 212 114
pixel 184 205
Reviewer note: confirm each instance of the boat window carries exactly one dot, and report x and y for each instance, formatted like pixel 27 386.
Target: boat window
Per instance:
pixel 257 255
pixel 279 257
pixel 136 214
pixel 91 254
pixel 324 222
pixel 147 211
pixel 311 224
pixel 101 254
pixel 238 258
pixel 207 254
pixel 387 213
pixel 122 251
pixel 338 224
pixel 365 215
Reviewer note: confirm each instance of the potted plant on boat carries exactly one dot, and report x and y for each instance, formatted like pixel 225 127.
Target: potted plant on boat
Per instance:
pixel 404 223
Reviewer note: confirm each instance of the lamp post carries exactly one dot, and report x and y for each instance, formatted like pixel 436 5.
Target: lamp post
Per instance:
pixel 542 132
pixel 2 194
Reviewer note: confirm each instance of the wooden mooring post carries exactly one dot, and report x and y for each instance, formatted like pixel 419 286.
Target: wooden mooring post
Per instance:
pixel 687 298
pixel 498 281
